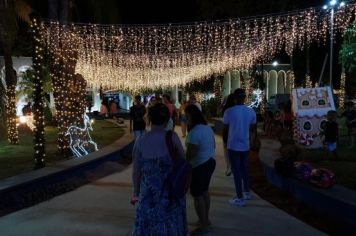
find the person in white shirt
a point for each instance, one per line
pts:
(239, 121)
(201, 155)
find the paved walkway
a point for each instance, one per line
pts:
(103, 208)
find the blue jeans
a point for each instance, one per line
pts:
(239, 168)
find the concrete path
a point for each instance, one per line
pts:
(103, 208)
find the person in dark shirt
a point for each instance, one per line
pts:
(331, 134)
(137, 121)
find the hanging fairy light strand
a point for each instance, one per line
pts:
(133, 57)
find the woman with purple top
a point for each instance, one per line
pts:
(157, 212)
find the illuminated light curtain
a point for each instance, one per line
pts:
(134, 57)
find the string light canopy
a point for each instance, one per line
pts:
(135, 57)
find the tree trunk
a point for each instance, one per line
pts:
(11, 81)
(69, 89)
(38, 97)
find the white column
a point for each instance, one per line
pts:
(235, 80)
(96, 100)
(281, 84)
(174, 96)
(226, 84)
(272, 83)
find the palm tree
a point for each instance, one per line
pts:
(9, 10)
(27, 84)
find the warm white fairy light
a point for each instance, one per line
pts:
(156, 56)
(342, 89)
(308, 82)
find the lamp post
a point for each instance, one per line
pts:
(332, 5)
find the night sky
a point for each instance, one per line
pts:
(171, 11)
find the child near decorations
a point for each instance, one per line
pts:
(331, 131)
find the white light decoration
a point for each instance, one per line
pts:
(23, 119)
(80, 138)
(135, 57)
(28, 120)
(256, 98)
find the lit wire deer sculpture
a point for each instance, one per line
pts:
(80, 138)
(256, 98)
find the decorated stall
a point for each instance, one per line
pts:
(310, 106)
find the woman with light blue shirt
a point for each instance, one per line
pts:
(200, 153)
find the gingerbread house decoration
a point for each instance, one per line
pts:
(310, 106)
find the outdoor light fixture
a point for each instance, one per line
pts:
(23, 119)
(325, 7)
(333, 2)
(342, 4)
(275, 63)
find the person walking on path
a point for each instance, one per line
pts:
(200, 153)
(103, 110)
(157, 212)
(113, 109)
(239, 121)
(183, 118)
(137, 121)
(172, 111)
(230, 102)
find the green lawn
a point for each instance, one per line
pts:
(345, 167)
(16, 159)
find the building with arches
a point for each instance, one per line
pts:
(278, 79)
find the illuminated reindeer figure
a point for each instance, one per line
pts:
(256, 98)
(80, 137)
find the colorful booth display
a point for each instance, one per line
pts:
(310, 106)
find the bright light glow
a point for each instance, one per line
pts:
(28, 120)
(92, 121)
(333, 2)
(342, 4)
(256, 98)
(275, 63)
(23, 119)
(325, 7)
(80, 138)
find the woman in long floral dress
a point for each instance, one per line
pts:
(157, 214)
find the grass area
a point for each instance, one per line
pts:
(16, 159)
(345, 166)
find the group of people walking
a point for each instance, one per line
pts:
(160, 213)
(109, 111)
